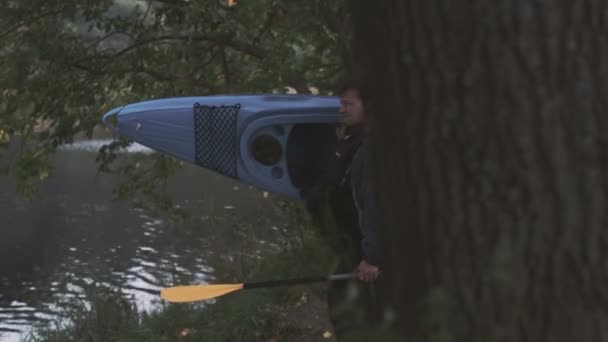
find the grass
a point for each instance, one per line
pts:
(254, 315)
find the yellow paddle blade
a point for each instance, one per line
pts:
(193, 293)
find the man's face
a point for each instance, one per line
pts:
(351, 108)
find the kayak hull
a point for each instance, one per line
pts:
(277, 143)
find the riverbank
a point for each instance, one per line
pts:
(295, 313)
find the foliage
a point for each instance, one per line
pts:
(65, 63)
(104, 317)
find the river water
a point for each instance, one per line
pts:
(75, 235)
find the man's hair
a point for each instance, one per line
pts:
(356, 85)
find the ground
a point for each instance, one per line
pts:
(310, 316)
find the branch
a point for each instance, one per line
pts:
(162, 77)
(21, 23)
(155, 74)
(272, 14)
(143, 19)
(212, 56)
(106, 36)
(174, 2)
(151, 72)
(225, 67)
(226, 39)
(121, 52)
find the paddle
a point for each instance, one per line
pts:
(193, 293)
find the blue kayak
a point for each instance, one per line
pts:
(277, 143)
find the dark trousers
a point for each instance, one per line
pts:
(353, 304)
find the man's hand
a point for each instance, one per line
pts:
(367, 272)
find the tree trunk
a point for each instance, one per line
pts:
(489, 141)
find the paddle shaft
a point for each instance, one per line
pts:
(297, 281)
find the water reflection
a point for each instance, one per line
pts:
(95, 144)
(76, 236)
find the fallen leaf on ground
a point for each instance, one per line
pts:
(303, 300)
(185, 332)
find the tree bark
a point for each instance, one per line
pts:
(489, 140)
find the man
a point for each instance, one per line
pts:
(351, 201)
(353, 117)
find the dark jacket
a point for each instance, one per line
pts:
(335, 166)
(333, 188)
(351, 198)
(363, 196)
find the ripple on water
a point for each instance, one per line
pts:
(16, 303)
(149, 264)
(154, 223)
(143, 275)
(147, 250)
(129, 251)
